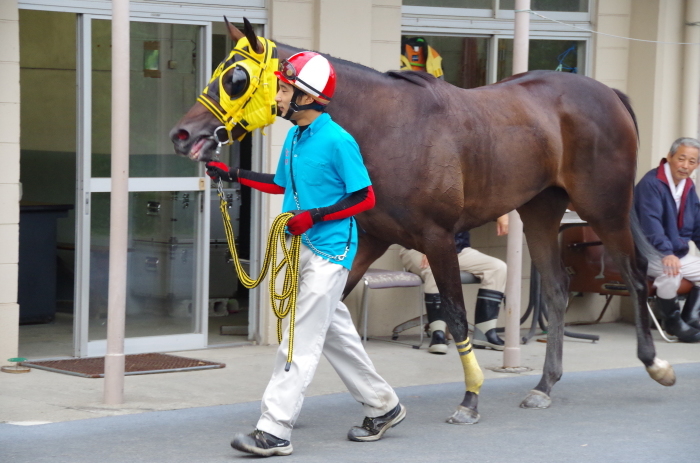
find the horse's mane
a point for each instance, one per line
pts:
(419, 78)
(351, 64)
(422, 79)
(415, 77)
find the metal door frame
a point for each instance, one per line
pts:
(86, 185)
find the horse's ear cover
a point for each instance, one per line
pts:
(255, 44)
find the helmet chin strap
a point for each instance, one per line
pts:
(293, 107)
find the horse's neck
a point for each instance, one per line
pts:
(356, 87)
(357, 96)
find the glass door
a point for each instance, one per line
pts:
(166, 299)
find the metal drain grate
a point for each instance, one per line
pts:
(137, 364)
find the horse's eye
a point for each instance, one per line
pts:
(239, 82)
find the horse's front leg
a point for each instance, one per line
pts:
(443, 261)
(541, 217)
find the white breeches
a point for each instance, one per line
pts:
(666, 285)
(323, 325)
(490, 270)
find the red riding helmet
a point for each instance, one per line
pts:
(311, 73)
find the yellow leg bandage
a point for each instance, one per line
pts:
(473, 376)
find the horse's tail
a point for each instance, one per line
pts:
(626, 101)
(645, 250)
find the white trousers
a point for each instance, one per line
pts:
(666, 285)
(490, 270)
(323, 325)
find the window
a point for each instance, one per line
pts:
(464, 59)
(555, 55)
(476, 4)
(578, 6)
(476, 45)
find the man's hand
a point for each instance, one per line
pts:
(301, 222)
(502, 225)
(672, 265)
(424, 262)
(218, 170)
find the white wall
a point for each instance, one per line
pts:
(363, 31)
(650, 73)
(9, 178)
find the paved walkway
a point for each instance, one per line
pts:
(605, 409)
(597, 417)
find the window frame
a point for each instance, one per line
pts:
(496, 24)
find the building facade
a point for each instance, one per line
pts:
(55, 142)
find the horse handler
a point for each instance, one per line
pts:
(325, 183)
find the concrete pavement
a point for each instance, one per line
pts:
(51, 397)
(598, 417)
(213, 404)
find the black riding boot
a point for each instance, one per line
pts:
(691, 308)
(488, 303)
(438, 343)
(673, 323)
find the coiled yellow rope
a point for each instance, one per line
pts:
(276, 236)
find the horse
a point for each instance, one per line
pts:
(444, 159)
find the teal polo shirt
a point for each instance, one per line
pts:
(327, 168)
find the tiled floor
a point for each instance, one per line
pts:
(55, 339)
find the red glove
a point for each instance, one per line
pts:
(218, 170)
(301, 222)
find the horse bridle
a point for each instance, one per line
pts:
(259, 110)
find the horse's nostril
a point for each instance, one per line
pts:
(182, 135)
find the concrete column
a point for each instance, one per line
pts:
(691, 71)
(119, 208)
(364, 31)
(655, 76)
(514, 259)
(386, 34)
(344, 29)
(9, 179)
(610, 55)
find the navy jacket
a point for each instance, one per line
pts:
(462, 240)
(666, 230)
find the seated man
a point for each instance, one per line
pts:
(492, 273)
(669, 212)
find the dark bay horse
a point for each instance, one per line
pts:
(444, 159)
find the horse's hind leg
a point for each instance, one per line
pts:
(619, 243)
(541, 217)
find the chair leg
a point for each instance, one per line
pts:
(407, 325)
(364, 312)
(658, 326)
(421, 309)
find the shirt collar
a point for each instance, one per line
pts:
(661, 175)
(316, 125)
(661, 171)
(676, 190)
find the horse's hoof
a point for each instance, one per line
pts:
(464, 415)
(662, 372)
(536, 399)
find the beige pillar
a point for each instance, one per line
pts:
(655, 77)
(691, 71)
(119, 208)
(364, 31)
(514, 258)
(9, 178)
(344, 29)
